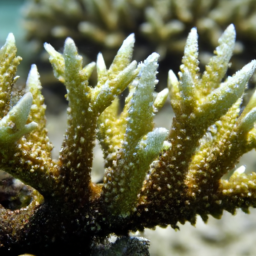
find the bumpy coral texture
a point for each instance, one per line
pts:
(152, 176)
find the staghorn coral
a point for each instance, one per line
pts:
(160, 25)
(242, 15)
(152, 176)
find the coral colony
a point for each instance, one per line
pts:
(152, 176)
(158, 24)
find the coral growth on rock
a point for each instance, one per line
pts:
(152, 176)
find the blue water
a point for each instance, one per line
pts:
(10, 18)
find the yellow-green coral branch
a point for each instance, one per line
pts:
(9, 63)
(218, 64)
(28, 157)
(137, 152)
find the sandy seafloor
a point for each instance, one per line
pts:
(232, 235)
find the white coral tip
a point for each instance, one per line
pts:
(33, 79)
(10, 38)
(127, 45)
(49, 49)
(101, 66)
(129, 40)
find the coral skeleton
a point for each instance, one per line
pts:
(152, 176)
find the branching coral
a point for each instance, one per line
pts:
(163, 24)
(152, 176)
(159, 25)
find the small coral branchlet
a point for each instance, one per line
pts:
(152, 176)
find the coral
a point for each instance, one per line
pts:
(160, 25)
(152, 176)
(242, 15)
